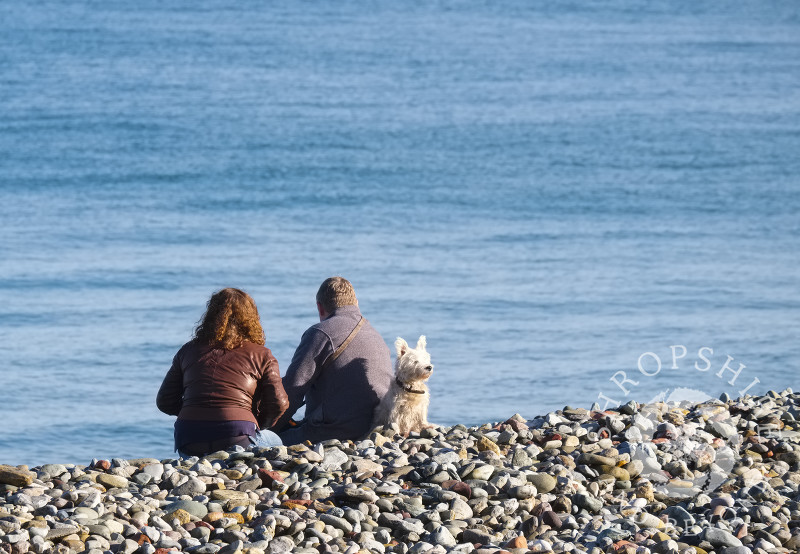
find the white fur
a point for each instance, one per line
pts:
(407, 409)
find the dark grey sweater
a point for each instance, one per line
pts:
(340, 400)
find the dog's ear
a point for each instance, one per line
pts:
(422, 343)
(401, 346)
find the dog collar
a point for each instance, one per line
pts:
(406, 387)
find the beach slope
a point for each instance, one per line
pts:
(663, 478)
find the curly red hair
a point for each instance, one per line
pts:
(231, 319)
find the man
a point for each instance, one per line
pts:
(340, 386)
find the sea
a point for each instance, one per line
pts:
(575, 202)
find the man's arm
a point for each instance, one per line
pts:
(314, 349)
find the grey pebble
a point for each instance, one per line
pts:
(720, 537)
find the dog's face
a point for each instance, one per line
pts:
(413, 364)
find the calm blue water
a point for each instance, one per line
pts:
(546, 192)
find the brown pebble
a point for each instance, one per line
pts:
(516, 425)
(213, 516)
(11, 475)
(562, 504)
(624, 547)
(717, 512)
(269, 476)
(487, 444)
(741, 531)
(235, 515)
(459, 487)
(516, 542)
(541, 508)
(550, 518)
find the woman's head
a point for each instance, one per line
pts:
(231, 318)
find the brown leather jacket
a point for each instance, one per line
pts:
(212, 384)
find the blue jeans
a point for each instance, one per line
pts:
(266, 439)
(292, 435)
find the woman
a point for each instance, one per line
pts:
(224, 384)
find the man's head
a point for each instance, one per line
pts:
(333, 293)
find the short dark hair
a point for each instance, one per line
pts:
(335, 292)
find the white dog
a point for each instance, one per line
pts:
(406, 402)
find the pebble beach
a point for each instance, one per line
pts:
(720, 476)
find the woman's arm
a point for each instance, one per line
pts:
(170, 396)
(272, 401)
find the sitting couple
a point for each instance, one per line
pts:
(225, 387)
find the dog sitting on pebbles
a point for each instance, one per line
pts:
(406, 402)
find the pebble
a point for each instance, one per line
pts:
(191, 487)
(482, 472)
(15, 477)
(657, 478)
(543, 482)
(720, 537)
(193, 508)
(112, 481)
(587, 502)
